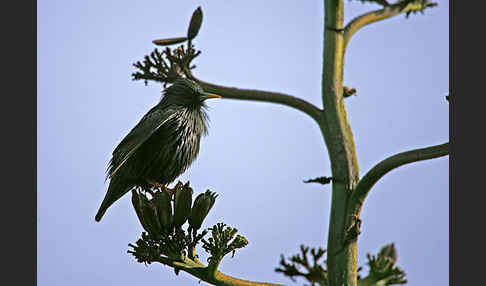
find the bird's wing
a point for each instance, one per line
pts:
(150, 123)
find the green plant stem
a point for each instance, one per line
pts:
(259, 95)
(202, 272)
(390, 163)
(342, 258)
(377, 15)
(212, 268)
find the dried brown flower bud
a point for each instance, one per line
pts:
(169, 41)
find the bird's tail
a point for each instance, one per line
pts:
(115, 191)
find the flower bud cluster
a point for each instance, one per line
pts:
(161, 215)
(221, 241)
(383, 266)
(170, 64)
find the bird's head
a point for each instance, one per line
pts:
(187, 93)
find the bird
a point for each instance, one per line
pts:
(162, 145)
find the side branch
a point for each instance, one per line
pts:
(387, 12)
(258, 95)
(390, 163)
(200, 271)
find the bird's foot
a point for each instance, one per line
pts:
(170, 191)
(155, 184)
(160, 186)
(145, 189)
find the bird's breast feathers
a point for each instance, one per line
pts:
(184, 127)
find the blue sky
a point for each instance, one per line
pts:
(256, 154)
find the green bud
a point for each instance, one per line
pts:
(388, 252)
(239, 242)
(232, 232)
(163, 205)
(202, 205)
(149, 212)
(195, 24)
(137, 205)
(182, 203)
(177, 188)
(146, 212)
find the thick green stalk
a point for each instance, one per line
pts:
(342, 258)
(209, 274)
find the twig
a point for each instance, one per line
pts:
(321, 180)
(387, 12)
(379, 170)
(259, 95)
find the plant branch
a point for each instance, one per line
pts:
(170, 245)
(259, 95)
(390, 163)
(200, 271)
(387, 12)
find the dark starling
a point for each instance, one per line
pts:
(162, 145)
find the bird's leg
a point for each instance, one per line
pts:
(170, 191)
(155, 184)
(159, 185)
(146, 189)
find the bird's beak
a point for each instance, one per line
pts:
(210, 95)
